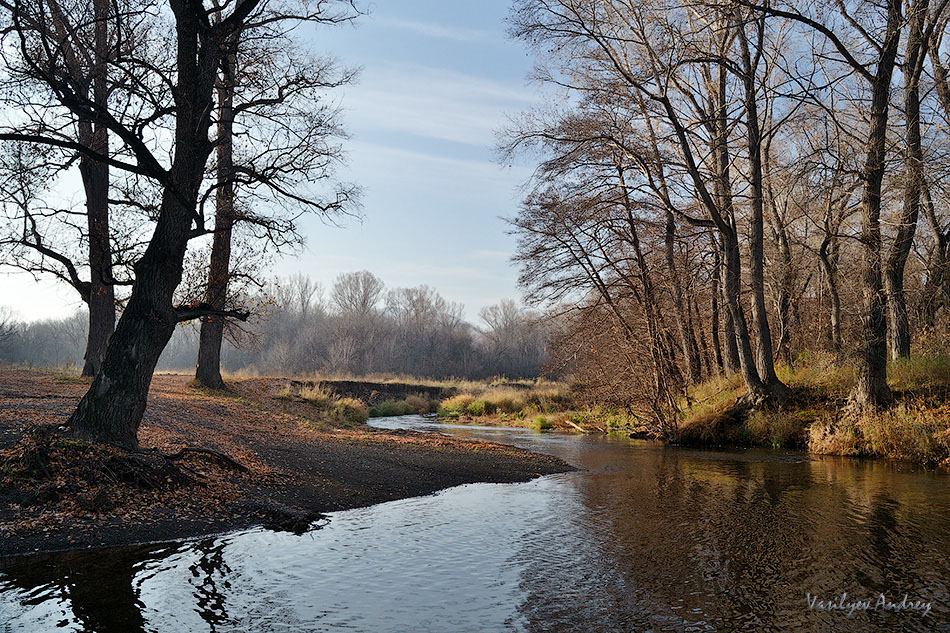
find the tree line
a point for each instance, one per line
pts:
(357, 328)
(723, 185)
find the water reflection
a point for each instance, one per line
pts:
(646, 538)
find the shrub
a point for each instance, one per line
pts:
(349, 410)
(412, 404)
(388, 408)
(456, 405)
(541, 423)
(419, 404)
(476, 408)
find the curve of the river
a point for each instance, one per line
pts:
(643, 538)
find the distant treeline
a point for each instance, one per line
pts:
(358, 327)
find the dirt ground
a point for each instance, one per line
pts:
(297, 466)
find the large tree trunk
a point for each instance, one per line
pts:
(871, 388)
(763, 337)
(112, 408)
(898, 324)
(732, 267)
(757, 389)
(95, 180)
(208, 369)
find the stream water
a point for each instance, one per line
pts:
(643, 538)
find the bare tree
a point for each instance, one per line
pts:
(275, 94)
(183, 103)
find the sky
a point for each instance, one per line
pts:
(438, 79)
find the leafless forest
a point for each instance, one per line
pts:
(734, 185)
(358, 327)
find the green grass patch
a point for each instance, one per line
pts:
(541, 423)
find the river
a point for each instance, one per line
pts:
(642, 538)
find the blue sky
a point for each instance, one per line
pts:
(438, 78)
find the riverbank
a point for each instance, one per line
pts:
(299, 462)
(818, 417)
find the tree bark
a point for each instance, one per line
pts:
(738, 341)
(871, 388)
(95, 180)
(208, 369)
(831, 279)
(763, 348)
(898, 323)
(714, 308)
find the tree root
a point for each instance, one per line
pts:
(219, 457)
(47, 454)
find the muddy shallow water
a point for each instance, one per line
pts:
(644, 538)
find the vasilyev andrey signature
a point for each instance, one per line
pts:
(881, 603)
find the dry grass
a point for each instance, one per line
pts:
(345, 411)
(819, 418)
(906, 432)
(712, 398)
(504, 400)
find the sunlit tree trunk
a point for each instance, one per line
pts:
(871, 387)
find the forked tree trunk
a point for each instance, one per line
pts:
(737, 331)
(113, 407)
(756, 388)
(208, 369)
(871, 387)
(101, 297)
(764, 362)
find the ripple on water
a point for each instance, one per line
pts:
(646, 538)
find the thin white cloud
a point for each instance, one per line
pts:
(440, 31)
(436, 179)
(433, 103)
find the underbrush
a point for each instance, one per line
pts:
(908, 431)
(411, 404)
